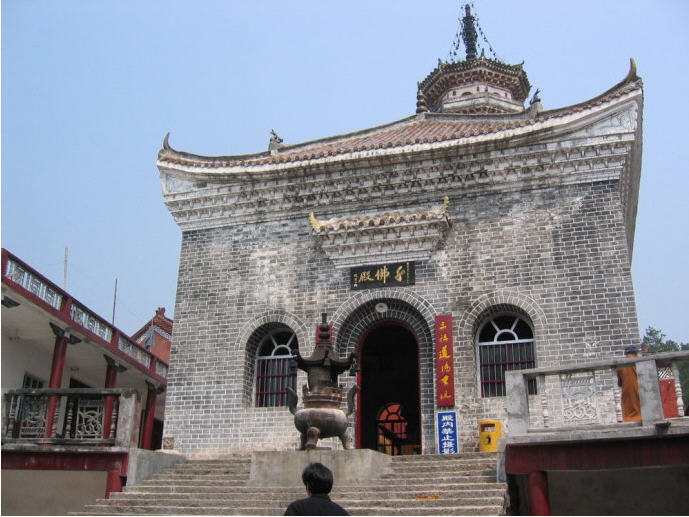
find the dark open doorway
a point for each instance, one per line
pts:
(389, 418)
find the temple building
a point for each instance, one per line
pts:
(480, 234)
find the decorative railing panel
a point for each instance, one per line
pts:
(82, 416)
(586, 395)
(161, 369)
(91, 322)
(33, 284)
(134, 351)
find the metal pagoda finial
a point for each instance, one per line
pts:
(469, 35)
(469, 32)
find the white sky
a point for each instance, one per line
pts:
(89, 89)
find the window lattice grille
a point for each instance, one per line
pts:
(505, 342)
(274, 374)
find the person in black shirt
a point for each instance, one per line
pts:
(318, 480)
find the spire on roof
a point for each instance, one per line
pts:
(469, 35)
(477, 85)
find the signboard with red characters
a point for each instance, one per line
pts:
(444, 361)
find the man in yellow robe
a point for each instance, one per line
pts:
(627, 380)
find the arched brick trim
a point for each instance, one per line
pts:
(504, 300)
(251, 335)
(422, 306)
(357, 315)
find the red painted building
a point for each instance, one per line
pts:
(156, 335)
(79, 395)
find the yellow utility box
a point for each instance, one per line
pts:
(489, 432)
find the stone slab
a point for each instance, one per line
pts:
(351, 467)
(143, 464)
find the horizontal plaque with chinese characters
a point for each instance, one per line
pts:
(383, 275)
(444, 361)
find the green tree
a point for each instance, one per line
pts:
(654, 342)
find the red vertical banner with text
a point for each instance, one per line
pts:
(444, 361)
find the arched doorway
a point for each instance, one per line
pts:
(389, 416)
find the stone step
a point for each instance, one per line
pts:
(437, 510)
(411, 458)
(453, 467)
(263, 510)
(443, 457)
(397, 469)
(166, 477)
(195, 482)
(183, 467)
(416, 485)
(406, 478)
(428, 479)
(244, 465)
(431, 487)
(284, 500)
(186, 467)
(398, 481)
(457, 491)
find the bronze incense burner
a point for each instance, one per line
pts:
(321, 416)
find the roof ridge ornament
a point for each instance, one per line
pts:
(421, 106)
(631, 75)
(315, 223)
(166, 145)
(275, 143)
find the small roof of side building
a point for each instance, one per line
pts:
(156, 335)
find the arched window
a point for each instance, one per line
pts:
(273, 371)
(504, 342)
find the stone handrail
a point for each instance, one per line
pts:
(588, 388)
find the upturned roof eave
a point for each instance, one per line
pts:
(534, 121)
(167, 150)
(629, 79)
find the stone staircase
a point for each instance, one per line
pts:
(417, 485)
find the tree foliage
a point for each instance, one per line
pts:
(654, 342)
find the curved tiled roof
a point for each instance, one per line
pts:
(159, 320)
(418, 129)
(380, 220)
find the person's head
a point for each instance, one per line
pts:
(631, 351)
(317, 478)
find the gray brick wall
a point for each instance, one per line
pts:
(556, 253)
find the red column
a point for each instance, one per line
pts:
(110, 382)
(113, 484)
(538, 493)
(149, 415)
(58, 366)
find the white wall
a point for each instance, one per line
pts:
(19, 357)
(61, 491)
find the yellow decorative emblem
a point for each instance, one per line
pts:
(315, 223)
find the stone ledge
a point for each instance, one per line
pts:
(677, 427)
(284, 468)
